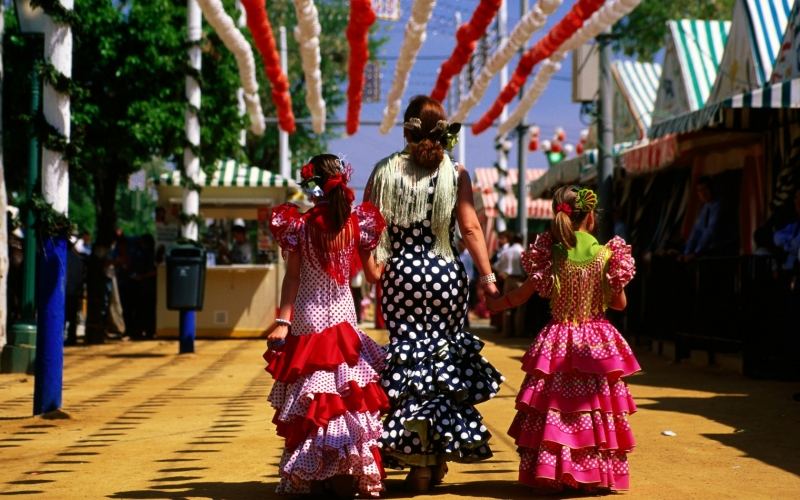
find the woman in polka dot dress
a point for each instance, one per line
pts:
(435, 373)
(327, 393)
(571, 426)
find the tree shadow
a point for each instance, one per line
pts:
(216, 490)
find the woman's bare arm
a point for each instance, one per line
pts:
(471, 231)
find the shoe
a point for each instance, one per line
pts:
(419, 479)
(438, 472)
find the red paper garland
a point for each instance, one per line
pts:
(543, 49)
(467, 38)
(259, 25)
(361, 18)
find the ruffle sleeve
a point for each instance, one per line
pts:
(286, 225)
(370, 224)
(621, 266)
(537, 261)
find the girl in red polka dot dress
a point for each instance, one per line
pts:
(571, 427)
(327, 393)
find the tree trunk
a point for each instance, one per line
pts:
(105, 191)
(3, 205)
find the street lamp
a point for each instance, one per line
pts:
(18, 355)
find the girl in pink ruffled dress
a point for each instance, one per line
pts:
(327, 393)
(571, 427)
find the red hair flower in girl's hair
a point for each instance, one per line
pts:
(307, 171)
(564, 207)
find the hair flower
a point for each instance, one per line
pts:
(564, 207)
(307, 172)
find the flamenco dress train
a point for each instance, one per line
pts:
(326, 394)
(571, 427)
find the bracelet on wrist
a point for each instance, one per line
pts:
(487, 278)
(284, 322)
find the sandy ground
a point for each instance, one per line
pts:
(144, 422)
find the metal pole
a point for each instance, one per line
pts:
(501, 141)
(522, 185)
(283, 137)
(605, 166)
(459, 87)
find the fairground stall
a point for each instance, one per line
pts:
(244, 270)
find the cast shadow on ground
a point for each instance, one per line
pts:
(216, 490)
(480, 489)
(751, 418)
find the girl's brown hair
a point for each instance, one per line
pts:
(566, 222)
(425, 143)
(325, 166)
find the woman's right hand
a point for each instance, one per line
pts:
(490, 290)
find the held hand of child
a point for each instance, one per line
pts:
(497, 304)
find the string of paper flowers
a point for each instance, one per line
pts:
(525, 28)
(414, 38)
(555, 149)
(543, 49)
(361, 18)
(612, 11)
(467, 38)
(243, 53)
(260, 27)
(307, 35)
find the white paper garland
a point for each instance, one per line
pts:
(307, 35)
(415, 36)
(525, 28)
(235, 42)
(602, 19)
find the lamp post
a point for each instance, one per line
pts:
(20, 352)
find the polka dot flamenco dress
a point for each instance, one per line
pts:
(327, 395)
(435, 373)
(571, 426)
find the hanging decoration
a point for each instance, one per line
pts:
(307, 35)
(557, 149)
(612, 11)
(361, 18)
(387, 10)
(525, 28)
(243, 53)
(581, 146)
(467, 38)
(414, 38)
(543, 49)
(261, 29)
(533, 144)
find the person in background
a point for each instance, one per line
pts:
(73, 291)
(788, 239)
(509, 268)
(143, 289)
(469, 268)
(502, 245)
(241, 250)
(703, 238)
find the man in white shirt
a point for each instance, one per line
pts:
(509, 268)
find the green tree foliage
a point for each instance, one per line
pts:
(641, 34)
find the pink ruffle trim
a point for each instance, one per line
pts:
(590, 347)
(596, 429)
(370, 224)
(574, 392)
(574, 468)
(537, 261)
(621, 266)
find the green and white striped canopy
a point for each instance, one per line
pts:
(779, 95)
(638, 83)
(229, 173)
(699, 46)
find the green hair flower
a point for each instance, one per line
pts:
(586, 200)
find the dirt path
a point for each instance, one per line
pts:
(147, 423)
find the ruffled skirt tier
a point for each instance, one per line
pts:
(571, 426)
(328, 403)
(434, 384)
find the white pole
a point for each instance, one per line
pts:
(283, 137)
(502, 150)
(191, 162)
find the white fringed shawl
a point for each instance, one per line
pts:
(399, 188)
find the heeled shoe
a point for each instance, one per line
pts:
(419, 479)
(438, 472)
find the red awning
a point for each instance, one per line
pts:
(652, 155)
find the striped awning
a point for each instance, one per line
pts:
(699, 45)
(787, 62)
(768, 19)
(650, 155)
(486, 180)
(638, 83)
(229, 173)
(779, 95)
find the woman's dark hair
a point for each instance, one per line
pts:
(565, 224)
(425, 144)
(325, 166)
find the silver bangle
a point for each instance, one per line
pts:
(488, 278)
(282, 321)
